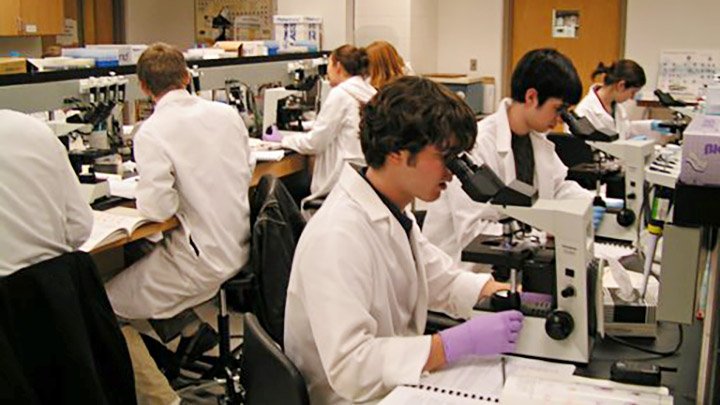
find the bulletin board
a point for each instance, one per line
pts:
(225, 11)
(684, 73)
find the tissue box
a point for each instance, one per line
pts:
(636, 318)
(701, 152)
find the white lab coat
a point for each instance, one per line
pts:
(334, 138)
(358, 297)
(454, 220)
(591, 107)
(194, 162)
(43, 213)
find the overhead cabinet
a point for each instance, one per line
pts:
(31, 17)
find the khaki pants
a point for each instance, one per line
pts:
(151, 386)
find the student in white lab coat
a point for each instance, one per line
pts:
(364, 276)
(603, 105)
(42, 211)
(194, 162)
(334, 136)
(513, 143)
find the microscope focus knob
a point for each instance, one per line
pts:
(559, 325)
(625, 217)
(568, 291)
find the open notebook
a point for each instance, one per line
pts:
(111, 225)
(474, 380)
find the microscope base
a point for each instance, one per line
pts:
(610, 229)
(534, 342)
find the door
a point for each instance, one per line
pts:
(587, 31)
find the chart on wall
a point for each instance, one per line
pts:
(233, 20)
(684, 73)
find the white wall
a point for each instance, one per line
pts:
(28, 47)
(424, 35)
(471, 29)
(410, 25)
(656, 25)
(171, 21)
(383, 20)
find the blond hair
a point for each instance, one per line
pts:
(386, 64)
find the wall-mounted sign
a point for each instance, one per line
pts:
(565, 23)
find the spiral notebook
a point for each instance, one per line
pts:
(475, 380)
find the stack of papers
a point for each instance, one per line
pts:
(266, 151)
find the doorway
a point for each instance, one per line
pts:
(587, 31)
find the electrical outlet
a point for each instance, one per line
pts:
(473, 65)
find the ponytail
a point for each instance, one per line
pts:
(624, 69)
(601, 69)
(354, 60)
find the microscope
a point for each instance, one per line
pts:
(282, 109)
(619, 224)
(101, 112)
(285, 108)
(564, 328)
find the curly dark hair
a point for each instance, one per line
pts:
(411, 113)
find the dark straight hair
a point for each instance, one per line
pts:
(624, 69)
(354, 60)
(549, 72)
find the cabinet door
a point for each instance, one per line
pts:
(9, 17)
(41, 17)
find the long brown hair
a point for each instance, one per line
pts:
(386, 64)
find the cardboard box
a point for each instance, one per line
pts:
(11, 66)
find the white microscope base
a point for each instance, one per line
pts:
(610, 229)
(534, 342)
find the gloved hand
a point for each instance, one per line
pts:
(482, 335)
(272, 135)
(639, 138)
(655, 126)
(598, 213)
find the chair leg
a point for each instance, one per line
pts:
(226, 363)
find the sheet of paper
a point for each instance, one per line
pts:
(536, 388)
(269, 155)
(258, 144)
(124, 188)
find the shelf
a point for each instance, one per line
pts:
(43, 91)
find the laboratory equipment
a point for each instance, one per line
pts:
(564, 327)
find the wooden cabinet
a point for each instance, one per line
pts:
(31, 17)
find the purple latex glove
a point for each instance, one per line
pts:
(482, 335)
(535, 298)
(272, 134)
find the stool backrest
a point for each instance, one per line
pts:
(267, 374)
